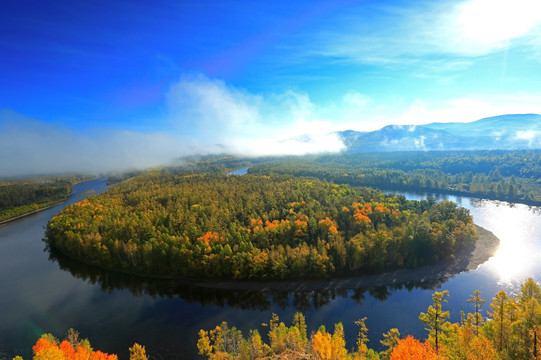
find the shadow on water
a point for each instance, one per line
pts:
(245, 299)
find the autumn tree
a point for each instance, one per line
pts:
(435, 319)
(477, 302)
(500, 320)
(482, 349)
(48, 348)
(257, 348)
(390, 339)
(321, 344)
(362, 337)
(138, 352)
(525, 339)
(204, 345)
(72, 336)
(327, 346)
(410, 348)
(300, 323)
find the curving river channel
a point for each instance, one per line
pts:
(43, 292)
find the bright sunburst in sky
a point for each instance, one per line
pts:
(140, 81)
(492, 22)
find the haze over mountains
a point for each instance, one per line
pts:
(505, 132)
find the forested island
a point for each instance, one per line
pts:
(22, 196)
(212, 226)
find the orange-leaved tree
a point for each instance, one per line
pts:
(47, 348)
(410, 348)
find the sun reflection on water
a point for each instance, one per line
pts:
(518, 227)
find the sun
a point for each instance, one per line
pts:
(497, 21)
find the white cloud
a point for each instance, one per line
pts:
(268, 124)
(420, 143)
(526, 135)
(209, 116)
(466, 109)
(532, 137)
(33, 147)
(205, 116)
(206, 108)
(216, 113)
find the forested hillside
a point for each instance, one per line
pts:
(18, 197)
(256, 227)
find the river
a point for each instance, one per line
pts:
(42, 292)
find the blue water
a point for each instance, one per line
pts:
(39, 294)
(242, 171)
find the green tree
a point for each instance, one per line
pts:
(390, 339)
(362, 337)
(477, 302)
(435, 319)
(300, 323)
(501, 321)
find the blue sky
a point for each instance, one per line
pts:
(204, 76)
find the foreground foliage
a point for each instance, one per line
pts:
(256, 227)
(510, 331)
(72, 348)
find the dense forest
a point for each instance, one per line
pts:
(504, 175)
(18, 197)
(511, 330)
(73, 348)
(256, 227)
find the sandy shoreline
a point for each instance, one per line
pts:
(469, 259)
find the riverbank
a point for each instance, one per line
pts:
(467, 260)
(5, 221)
(473, 195)
(46, 206)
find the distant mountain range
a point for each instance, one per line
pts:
(506, 132)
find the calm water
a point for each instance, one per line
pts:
(242, 171)
(41, 292)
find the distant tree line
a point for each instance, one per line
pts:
(505, 175)
(256, 227)
(18, 197)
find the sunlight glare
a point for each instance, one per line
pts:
(496, 21)
(517, 255)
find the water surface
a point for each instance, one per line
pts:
(41, 292)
